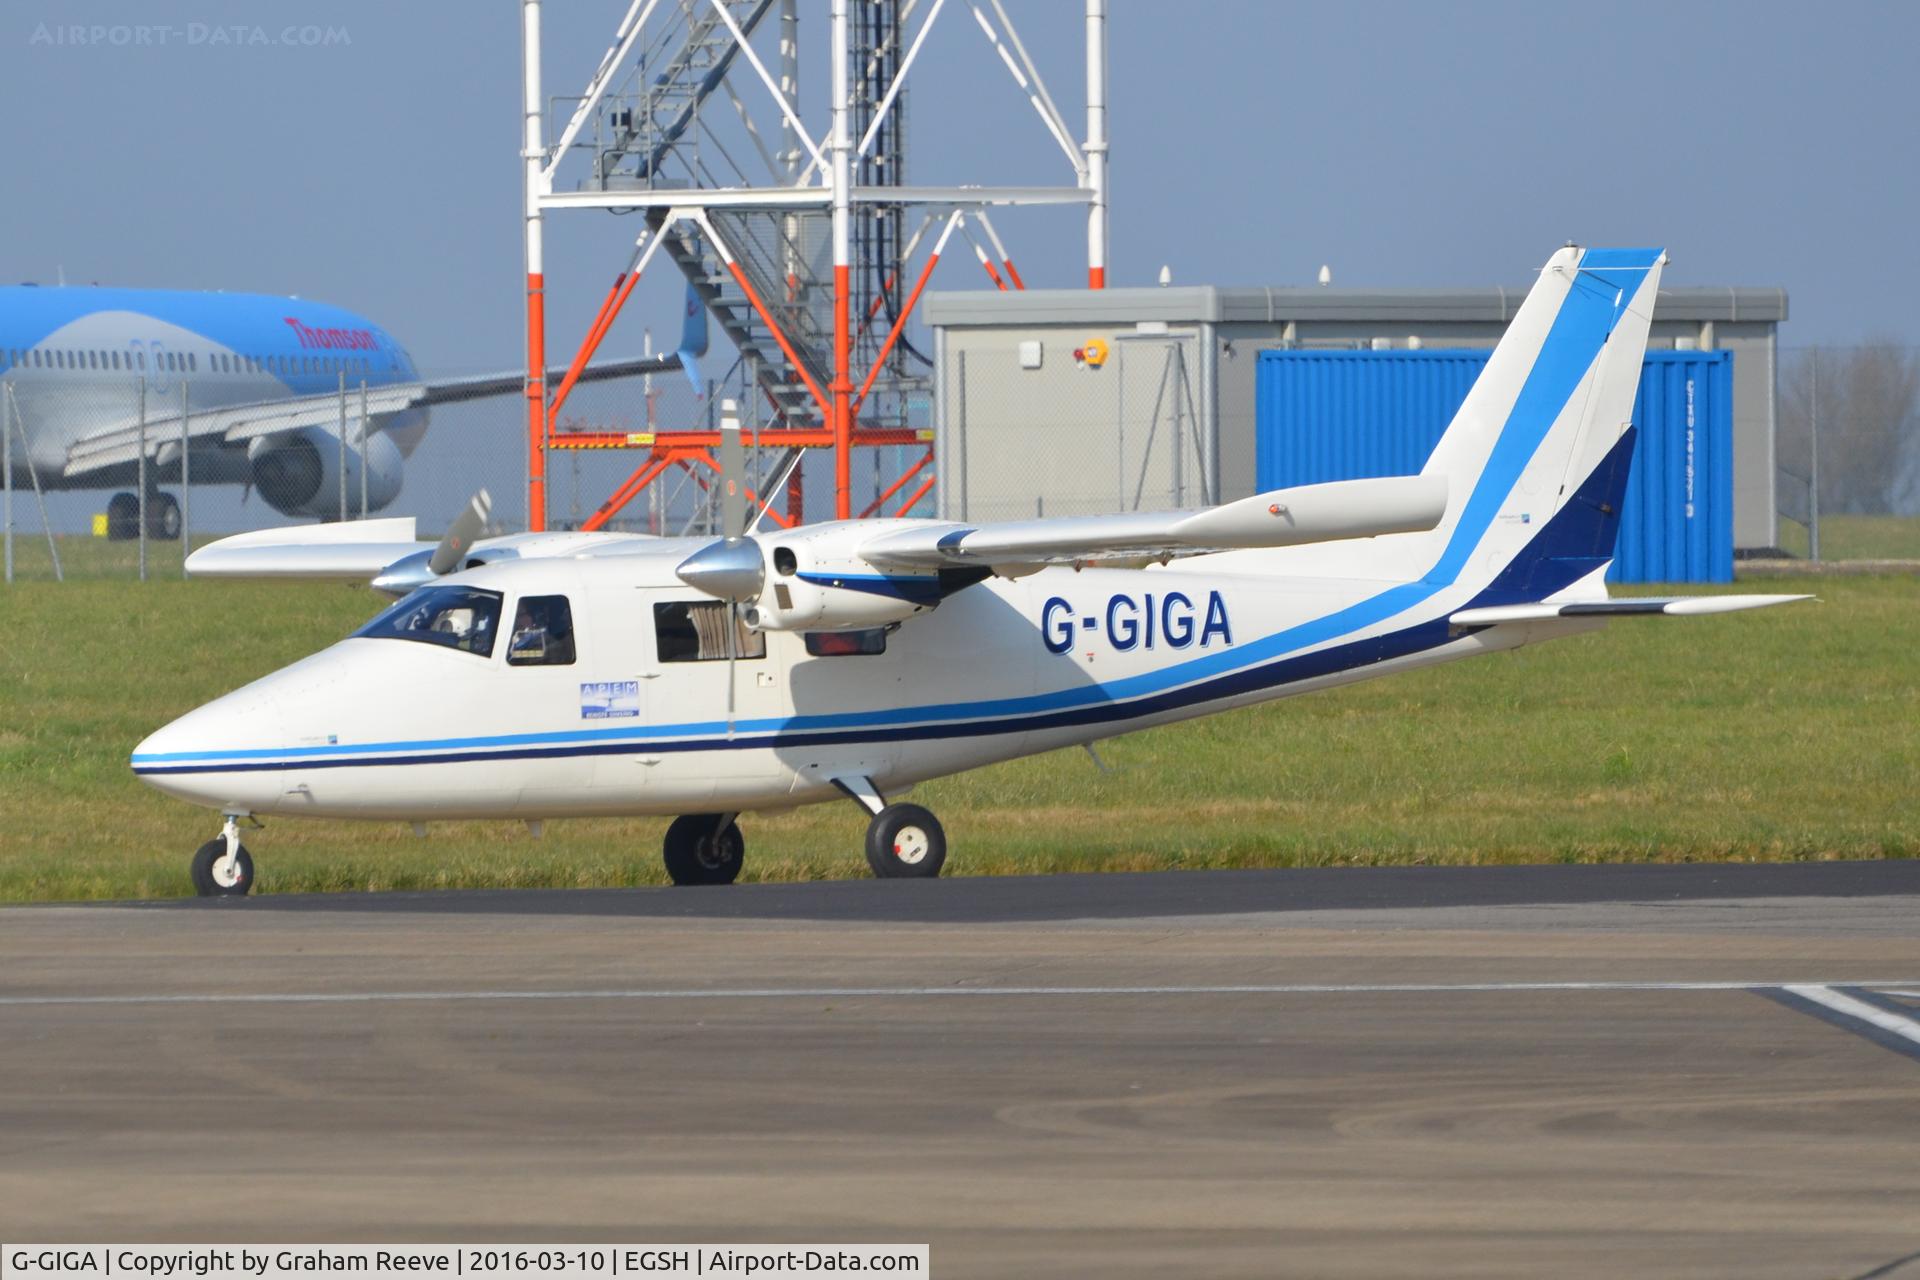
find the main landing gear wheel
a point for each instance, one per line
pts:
(704, 848)
(215, 875)
(905, 842)
(163, 517)
(123, 517)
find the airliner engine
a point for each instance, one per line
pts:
(299, 472)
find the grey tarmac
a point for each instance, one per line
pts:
(1568, 1071)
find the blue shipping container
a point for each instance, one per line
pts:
(1345, 415)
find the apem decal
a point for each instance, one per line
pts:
(1148, 621)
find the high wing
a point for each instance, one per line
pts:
(1626, 606)
(355, 550)
(388, 553)
(237, 424)
(1283, 517)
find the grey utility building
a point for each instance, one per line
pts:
(1069, 401)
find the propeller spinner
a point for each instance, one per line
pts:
(731, 569)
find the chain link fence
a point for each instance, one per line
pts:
(121, 476)
(1014, 442)
(1848, 452)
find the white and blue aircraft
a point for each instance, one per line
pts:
(264, 407)
(540, 676)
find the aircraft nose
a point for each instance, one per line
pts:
(200, 757)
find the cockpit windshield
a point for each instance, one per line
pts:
(463, 618)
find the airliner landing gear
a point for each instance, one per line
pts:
(163, 517)
(123, 517)
(222, 867)
(905, 841)
(704, 848)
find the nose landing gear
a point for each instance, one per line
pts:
(222, 867)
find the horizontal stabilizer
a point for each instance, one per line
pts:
(350, 551)
(1630, 606)
(1284, 517)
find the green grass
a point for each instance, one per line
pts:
(1788, 734)
(89, 559)
(1857, 538)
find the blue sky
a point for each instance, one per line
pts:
(1764, 144)
(1403, 144)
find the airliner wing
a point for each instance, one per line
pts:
(1283, 517)
(232, 424)
(454, 390)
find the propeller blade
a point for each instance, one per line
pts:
(461, 535)
(733, 473)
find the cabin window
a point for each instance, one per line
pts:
(542, 633)
(193, 362)
(834, 644)
(697, 631)
(463, 618)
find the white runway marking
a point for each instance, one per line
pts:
(896, 993)
(1888, 1021)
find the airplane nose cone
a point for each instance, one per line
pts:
(195, 757)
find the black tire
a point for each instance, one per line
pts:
(163, 517)
(906, 842)
(694, 855)
(207, 883)
(123, 517)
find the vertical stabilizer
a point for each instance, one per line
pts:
(1545, 417)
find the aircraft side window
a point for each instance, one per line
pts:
(834, 644)
(463, 618)
(542, 633)
(697, 631)
(193, 362)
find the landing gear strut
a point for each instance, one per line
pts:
(704, 848)
(222, 867)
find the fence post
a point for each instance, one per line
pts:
(343, 446)
(1813, 483)
(6, 472)
(140, 494)
(363, 448)
(186, 481)
(961, 405)
(33, 474)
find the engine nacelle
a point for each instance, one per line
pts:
(298, 472)
(814, 583)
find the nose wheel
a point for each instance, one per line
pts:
(222, 867)
(704, 848)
